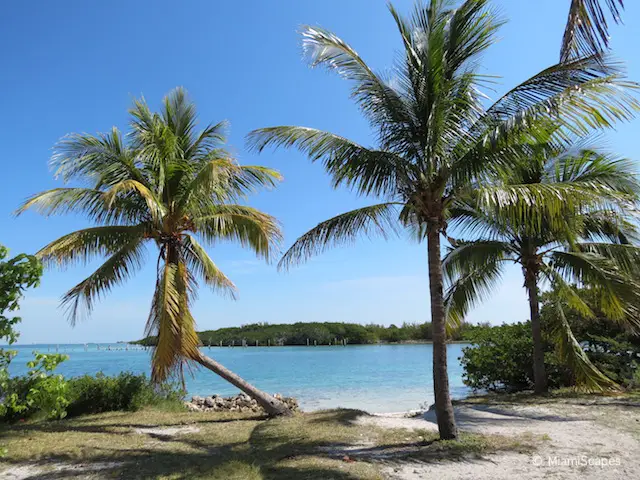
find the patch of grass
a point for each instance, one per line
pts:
(315, 446)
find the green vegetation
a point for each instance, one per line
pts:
(326, 333)
(501, 358)
(226, 446)
(123, 392)
(164, 184)
(43, 395)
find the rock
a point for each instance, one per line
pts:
(238, 403)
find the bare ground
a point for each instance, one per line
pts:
(589, 438)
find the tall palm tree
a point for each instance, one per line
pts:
(587, 30)
(585, 242)
(167, 184)
(435, 136)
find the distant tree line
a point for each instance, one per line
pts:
(325, 333)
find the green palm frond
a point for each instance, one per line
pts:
(589, 269)
(566, 292)
(472, 255)
(103, 160)
(587, 30)
(626, 258)
(610, 226)
(83, 245)
(155, 207)
(376, 98)
(223, 180)
(573, 98)
(614, 177)
(587, 376)
(370, 172)
(472, 272)
(250, 227)
(380, 220)
(199, 262)
(114, 271)
(89, 202)
(209, 139)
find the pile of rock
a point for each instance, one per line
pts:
(238, 403)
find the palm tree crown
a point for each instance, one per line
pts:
(164, 183)
(588, 242)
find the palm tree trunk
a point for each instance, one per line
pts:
(539, 373)
(444, 408)
(272, 405)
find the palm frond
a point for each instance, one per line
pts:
(472, 272)
(597, 170)
(87, 201)
(568, 99)
(156, 209)
(103, 160)
(600, 273)
(172, 323)
(252, 228)
(223, 180)
(587, 376)
(611, 226)
(587, 30)
(199, 262)
(114, 271)
(343, 229)
(626, 258)
(83, 245)
(370, 172)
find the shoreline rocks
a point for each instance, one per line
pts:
(237, 403)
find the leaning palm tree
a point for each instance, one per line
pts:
(586, 242)
(435, 136)
(164, 184)
(587, 29)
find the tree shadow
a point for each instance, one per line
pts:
(270, 452)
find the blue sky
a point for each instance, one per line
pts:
(75, 66)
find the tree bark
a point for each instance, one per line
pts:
(271, 405)
(444, 408)
(539, 373)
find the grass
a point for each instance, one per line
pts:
(321, 445)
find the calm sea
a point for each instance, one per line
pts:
(376, 378)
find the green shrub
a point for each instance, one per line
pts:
(501, 359)
(126, 391)
(39, 392)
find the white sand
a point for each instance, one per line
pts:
(577, 433)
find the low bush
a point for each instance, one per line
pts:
(501, 359)
(126, 391)
(39, 392)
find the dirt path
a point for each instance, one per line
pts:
(584, 441)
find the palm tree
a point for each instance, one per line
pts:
(434, 135)
(587, 30)
(583, 242)
(165, 183)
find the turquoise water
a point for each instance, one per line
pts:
(376, 378)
